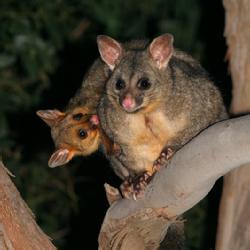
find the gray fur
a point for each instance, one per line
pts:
(183, 88)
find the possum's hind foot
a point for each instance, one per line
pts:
(133, 188)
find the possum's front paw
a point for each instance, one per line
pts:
(133, 188)
(162, 160)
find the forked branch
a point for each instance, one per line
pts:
(187, 179)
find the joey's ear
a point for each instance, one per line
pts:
(110, 50)
(60, 157)
(51, 116)
(161, 50)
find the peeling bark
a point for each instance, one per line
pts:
(237, 32)
(187, 179)
(234, 217)
(18, 229)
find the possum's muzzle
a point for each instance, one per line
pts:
(131, 104)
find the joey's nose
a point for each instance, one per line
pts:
(94, 119)
(128, 103)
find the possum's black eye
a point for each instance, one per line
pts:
(82, 133)
(120, 84)
(143, 84)
(78, 116)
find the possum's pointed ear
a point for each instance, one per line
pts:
(161, 50)
(61, 157)
(110, 50)
(51, 116)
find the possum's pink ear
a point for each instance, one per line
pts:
(110, 50)
(51, 116)
(60, 157)
(161, 50)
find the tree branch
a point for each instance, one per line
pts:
(186, 180)
(18, 229)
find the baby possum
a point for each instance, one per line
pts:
(76, 131)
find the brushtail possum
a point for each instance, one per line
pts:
(156, 99)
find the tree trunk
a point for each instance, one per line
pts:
(234, 217)
(188, 177)
(18, 229)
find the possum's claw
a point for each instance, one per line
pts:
(162, 160)
(127, 187)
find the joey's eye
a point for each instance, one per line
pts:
(120, 84)
(143, 84)
(82, 133)
(78, 116)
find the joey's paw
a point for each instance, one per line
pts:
(162, 160)
(133, 188)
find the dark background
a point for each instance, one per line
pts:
(45, 49)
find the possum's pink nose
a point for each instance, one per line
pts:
(128, 103)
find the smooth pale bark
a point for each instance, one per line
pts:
(234, 218)
(18, 229)
(188, 178)
(144, 223)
